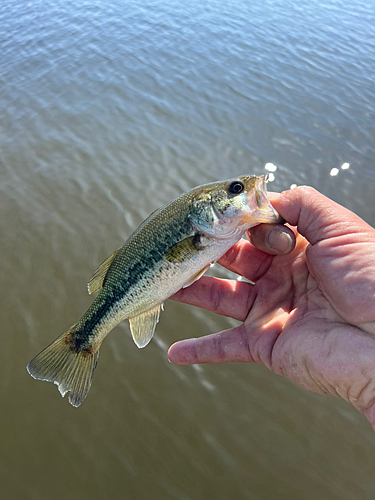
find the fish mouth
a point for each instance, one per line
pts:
(264, 211)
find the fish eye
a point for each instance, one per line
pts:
(236, 187)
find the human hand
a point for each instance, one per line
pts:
(311, 314)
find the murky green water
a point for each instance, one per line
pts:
(109, 110)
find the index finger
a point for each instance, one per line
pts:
(246, 260)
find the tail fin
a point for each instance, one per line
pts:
(70, 369)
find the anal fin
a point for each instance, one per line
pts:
(143, 325)
(96, 282)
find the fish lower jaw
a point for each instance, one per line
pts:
(266, 215)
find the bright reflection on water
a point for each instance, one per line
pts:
(108, 111)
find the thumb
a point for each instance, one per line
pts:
(317, 217)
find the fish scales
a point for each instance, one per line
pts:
(131, 265)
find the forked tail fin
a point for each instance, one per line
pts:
(71, 369)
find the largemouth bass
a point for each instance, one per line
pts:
(169, 250)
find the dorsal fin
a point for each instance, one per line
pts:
(96, 282)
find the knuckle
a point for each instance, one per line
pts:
(305, 191)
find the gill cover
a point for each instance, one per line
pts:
(218, 212)
(202, 215)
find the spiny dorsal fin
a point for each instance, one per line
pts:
(96, 282)
(143, 325)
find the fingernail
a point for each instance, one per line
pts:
(280, 241)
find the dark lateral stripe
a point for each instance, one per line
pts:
(120, 281)
(89, 321)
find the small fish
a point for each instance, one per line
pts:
(170, 250)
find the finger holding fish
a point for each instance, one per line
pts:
(231, 298)
(234, 298)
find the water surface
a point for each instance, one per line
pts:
(109, 110)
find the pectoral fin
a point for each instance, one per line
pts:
(196, 276)
(96, 282)
(143, 325)
(185, 249)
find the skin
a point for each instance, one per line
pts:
(311, 314)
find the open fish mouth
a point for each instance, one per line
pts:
(262, 210)
(261, 196)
